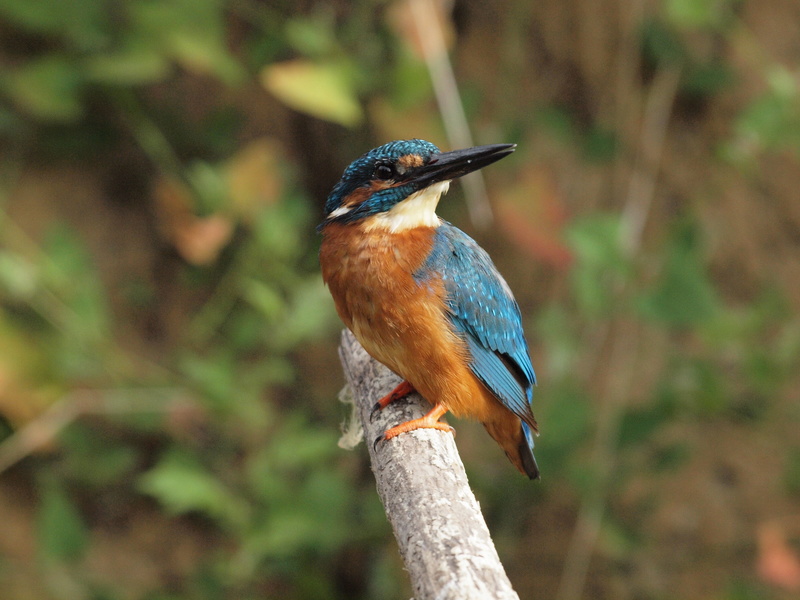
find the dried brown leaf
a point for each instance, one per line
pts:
(198, 240)
(778, 563)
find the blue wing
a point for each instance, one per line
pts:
(484, 311)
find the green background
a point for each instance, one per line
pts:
(168, 370)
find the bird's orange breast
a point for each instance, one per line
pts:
(370, 276)
(401, 322)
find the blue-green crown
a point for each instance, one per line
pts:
(361, 170)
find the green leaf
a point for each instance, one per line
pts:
(299, 445)
(617, 539)
(206, 54)
(276, 233)
(684, 295)
(791, 472)
(600, 262)
(136, 64)
(308, 507)
(707, 79)
(742, 587)
(45, 16)
(600, 145)
(94, 458)
(214, 376)
(772, 120)
(565, 413)
(323, 90)
(70, 273)
(696, 385)
(639, 424)
(670, 456)
(310, 316)
(265, 298)
(410, 83)
(189, 32)
(48, 88)
(314, 36)
(183, 485)
(211, 189)
(82, 21)
(61, 532)
(556, 121)
(285, 532)
(662, 46)
(18, 277)
(557, 329)
(698, 13)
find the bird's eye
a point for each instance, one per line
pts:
(384, 171)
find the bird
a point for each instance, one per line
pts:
(424, 299)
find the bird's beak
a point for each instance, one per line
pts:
(450, 165)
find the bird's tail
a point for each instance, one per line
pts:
(526, 452)
(516, 439)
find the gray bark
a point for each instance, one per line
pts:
(443, 538)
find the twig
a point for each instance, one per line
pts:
(44, 429)
(642, 190)
(451, 108)
(442, 536)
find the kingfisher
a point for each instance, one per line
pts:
(424, 298)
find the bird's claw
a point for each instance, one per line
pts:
(376, 408)
(392, 434)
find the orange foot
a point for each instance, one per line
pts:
(401, 391)
(429, 421)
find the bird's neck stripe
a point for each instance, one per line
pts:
(418, 210)
(339, 212)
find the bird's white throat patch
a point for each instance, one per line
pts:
(418, 210)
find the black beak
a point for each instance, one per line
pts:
(450, 165)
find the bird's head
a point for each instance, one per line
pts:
(397, 186)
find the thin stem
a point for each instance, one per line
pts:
(42, 430)
(451, 108)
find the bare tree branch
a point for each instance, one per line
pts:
(442, 536)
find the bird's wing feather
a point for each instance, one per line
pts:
(483, 310)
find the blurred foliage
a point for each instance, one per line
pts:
(772, 121)
(194, 397)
